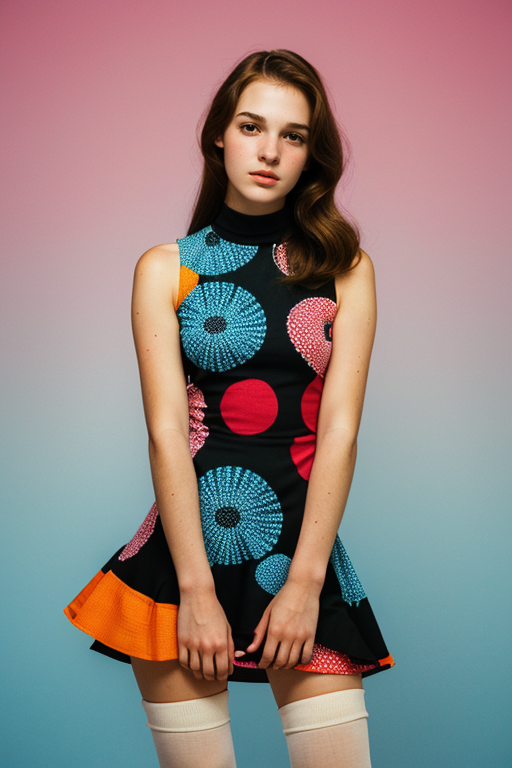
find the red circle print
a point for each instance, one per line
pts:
(310, 402)
(249, 406)
(303, 453)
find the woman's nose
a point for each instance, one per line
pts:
(269, 151)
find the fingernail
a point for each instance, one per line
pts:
(239, 653)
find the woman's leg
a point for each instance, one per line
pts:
(324, 718)
(189, 718)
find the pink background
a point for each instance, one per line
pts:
(100, 106)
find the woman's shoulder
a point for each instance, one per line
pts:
(159, 259)
(158, 269)
(360, 276)
(362, 266)
(160, 255)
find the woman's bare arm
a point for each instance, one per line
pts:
(339, 417)
(292, 616)
(203, 630)
(156, 334)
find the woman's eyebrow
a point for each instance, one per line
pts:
(261, 119)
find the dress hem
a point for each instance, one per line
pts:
(124, 623)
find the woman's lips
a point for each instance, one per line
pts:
(261, 179)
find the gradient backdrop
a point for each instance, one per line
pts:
(100, 105)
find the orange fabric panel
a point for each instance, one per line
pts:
(124, 619)
(188, 281)
(72, 609)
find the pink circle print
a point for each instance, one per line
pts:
(198, 432)
(142, 535)
(309, 326)
(280, 257)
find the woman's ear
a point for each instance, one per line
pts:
(219, 142)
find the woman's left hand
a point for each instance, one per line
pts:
(290, 621)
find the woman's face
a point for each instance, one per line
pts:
(266, 146)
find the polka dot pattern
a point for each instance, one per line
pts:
(221, 325)
(280, 256)
(249, 406)
(198, 432)
(271, 573)
(329, 662)
(302, 451)
(303, 447)
(309, 326)
(324, 661)
(142, 535)
(240, 515)
(254, 353)
(352, 590)
(206, 253)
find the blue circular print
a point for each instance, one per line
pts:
(351, 588)
(221, 325)
(240, 515)
(272, 573)
(206, 253)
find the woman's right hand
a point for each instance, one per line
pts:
(205, 644)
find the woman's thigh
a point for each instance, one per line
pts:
(164, 681)
(293, 684)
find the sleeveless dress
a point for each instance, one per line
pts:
(255, 353)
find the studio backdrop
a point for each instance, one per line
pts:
(100, 104)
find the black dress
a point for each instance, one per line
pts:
(255, 352)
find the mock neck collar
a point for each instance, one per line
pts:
(244, 229)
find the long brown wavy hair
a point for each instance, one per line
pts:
(323, 242)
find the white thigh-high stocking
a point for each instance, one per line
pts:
(189, 734)
(327, 731)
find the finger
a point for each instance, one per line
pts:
(283, 655)
(208, 666)
(307, 652)
(221, 662)
(231, 652)
(269, 652)
(195, 664)
(295, 654)
(259, 633)
(183, 656)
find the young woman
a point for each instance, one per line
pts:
(253, 337)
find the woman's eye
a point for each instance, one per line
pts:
(296, 138)
(250, 128)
